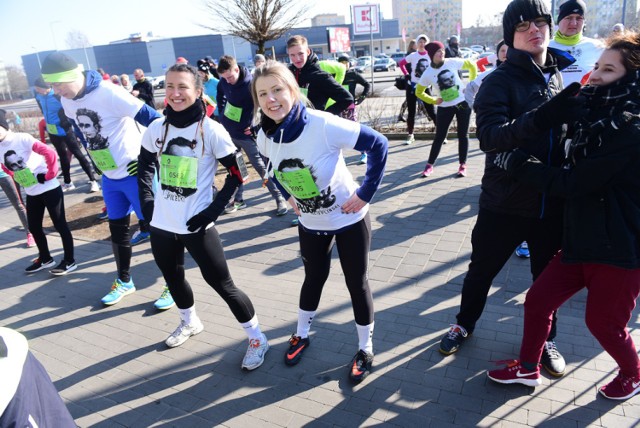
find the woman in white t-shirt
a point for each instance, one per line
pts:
(187, 146)
(304, 151)
(443, 76)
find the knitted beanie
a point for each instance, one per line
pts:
(571, 6)
(40, 83)
(433, 47)
(3, 119)
(60, 68)
(522, 10)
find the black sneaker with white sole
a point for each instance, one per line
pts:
(38, 265)
(63, 268)
(552, 361)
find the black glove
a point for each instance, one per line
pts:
(511, 161)
(40, 178)
(566, 107)
(132, 168)
(197, 221)
(359, 100)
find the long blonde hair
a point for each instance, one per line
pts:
(283, 75)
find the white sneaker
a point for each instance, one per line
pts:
(68, 186)
(95, 187)
(184, 332)
(410, 139)
(255, 353)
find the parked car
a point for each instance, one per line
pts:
(485, 54)
(158, 82)
(384, 64)
(477, 48)
(382, 55)
(397, 56)
(468, 53)
(363, 64)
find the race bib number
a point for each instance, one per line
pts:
(232, 112)
(449, 94)
(25, 177)
(179, 171)
(103, 159)
(52, 129)
(298, 183)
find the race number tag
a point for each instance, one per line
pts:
(52, 129)
(298, 183)
(25, 177)
(179, 171)
(242, 167)
(232, 112)
(103, 159)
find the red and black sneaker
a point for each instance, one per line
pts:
(621, 387)
(297, 346)
(360, 366)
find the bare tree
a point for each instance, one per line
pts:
(17, 79)
(77, 39)
(256, 21)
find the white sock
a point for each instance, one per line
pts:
(365, 334)
(252, 328)
(188, 315)
(304, 323)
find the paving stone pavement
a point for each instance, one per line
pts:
(112, 368)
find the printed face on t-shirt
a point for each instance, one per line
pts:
(446, 79)
(13, 161)
(421, 66)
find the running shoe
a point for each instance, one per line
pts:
(462, 171)
(119, 289)
(514, 372)
(621, 387)
(140, 237)
(363, 159)
(255, 353)
(522, 250)
(95, 187)
(184, 332)
(454, 338)
(282, 208)
(428, 170)
(165, 301)
(360, 366)
(235, 206)
(104, 215)
(410, 139)
(66, 187)
(552, 361)
(297, 346)
(63, 268)
(37, 265)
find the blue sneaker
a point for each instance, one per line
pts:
(522, 250)
(139, 237)
(363, 159)
(119, 289)
(165, 301)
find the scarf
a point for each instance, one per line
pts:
(610, 107)
(186, 117)
(567, 40)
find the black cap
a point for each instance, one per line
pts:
(522, 10)
(570, 7)
(343, 58)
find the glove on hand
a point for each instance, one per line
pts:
(359, 100)
(197, 221)
(40, 178)
(510, 161)
(566, 107)
(132, 168)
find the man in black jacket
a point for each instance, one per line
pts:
(142, 89)
(317, 85)
(514, 110)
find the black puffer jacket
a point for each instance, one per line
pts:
(602, 191)
(505, 107)
(320, 86)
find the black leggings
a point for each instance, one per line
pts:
(353, 250)
(411, 108)
(53, 201)
(206, 249)
(443, 122)
(62, 143)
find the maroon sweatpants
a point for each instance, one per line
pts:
(611, 298)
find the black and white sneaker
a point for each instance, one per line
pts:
(552, 361)
(38, 265)
(63, 268)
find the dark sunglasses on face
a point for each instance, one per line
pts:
(524, 25)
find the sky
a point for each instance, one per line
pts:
(30, 26)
